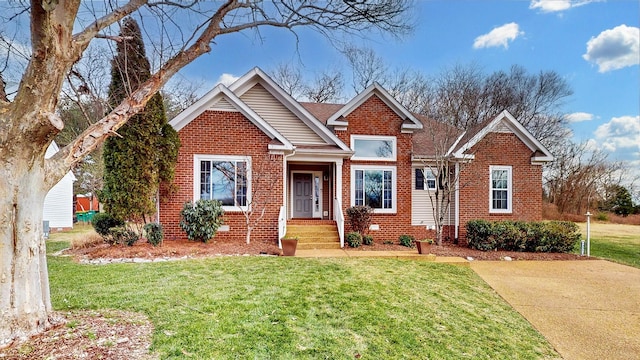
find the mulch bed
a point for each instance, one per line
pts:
(184, 248)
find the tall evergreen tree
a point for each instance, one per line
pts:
(144, 155)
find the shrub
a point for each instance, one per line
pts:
(354, 239)
(102, 222)
(406, 240)
(123, 235)
(367, 240)
(559, 236)
(554, 236)
(602, 216)
(201, 220)
(360, 218)
(480, 235)
(154, 232)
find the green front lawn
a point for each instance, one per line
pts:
(615, 242)
(291, 308)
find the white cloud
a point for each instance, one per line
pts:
(620, 133)
(500, 36)
(579, 117)
(614, 48)
(227, 79)
(557, 5)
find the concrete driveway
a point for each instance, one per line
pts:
(587, 309)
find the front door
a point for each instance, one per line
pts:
(302, 195)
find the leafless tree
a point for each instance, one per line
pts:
(440, 166)
(263, 183)
(60, 34)
(578, 178)
(290, 79)
(326, 88)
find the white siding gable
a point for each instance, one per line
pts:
(502, 127)
(279, 117)
(58, 204)
(223, 105)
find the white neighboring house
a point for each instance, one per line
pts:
(58, 204)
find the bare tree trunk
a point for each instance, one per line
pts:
(25, 302)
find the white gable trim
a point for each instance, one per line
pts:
(220, 91)
(520, 131)
(338, 119)
(256, 75)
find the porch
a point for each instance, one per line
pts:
(312, 209)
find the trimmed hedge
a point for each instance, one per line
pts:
(552, 236)
(354, 239)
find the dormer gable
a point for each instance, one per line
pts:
(502, 123)
(339, 122)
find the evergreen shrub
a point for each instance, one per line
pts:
(354, 239)
(154, 232)
(407, 240)
(553, 236)
(200, 221)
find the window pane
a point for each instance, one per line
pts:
(223, 177)
(359, 184)
(387, 203)
(373, 188)
(431, 179)
(499, 179)
(316, 194)
(205, 180)
(367, 148)
(241, 183)
(500, 199)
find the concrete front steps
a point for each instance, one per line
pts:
(314, 234)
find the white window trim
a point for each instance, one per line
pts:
(196, 177)
(394, 199)
(393, 139)
(509, 208)
(425, 170)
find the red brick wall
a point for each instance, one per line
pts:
(374, 117)
(500, 149)
(226, 133)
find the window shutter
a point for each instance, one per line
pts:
(419, 179)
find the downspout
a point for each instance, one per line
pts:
(457, 201)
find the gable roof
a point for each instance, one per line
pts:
(436, 138)
(222, 92)
(410, 121)
(475, 135)
(322, 111)
(257, 76)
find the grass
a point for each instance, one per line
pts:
(615, 242)
(291, 308)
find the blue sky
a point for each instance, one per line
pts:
(594, 45)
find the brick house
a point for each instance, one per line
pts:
(253, 147)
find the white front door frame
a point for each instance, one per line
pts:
(316, 212)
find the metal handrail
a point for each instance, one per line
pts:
(282, 225)
(337, 211)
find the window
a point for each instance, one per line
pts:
(374, 186)
(222, 178)
(425, 179)
(370, 147)
(500, 189)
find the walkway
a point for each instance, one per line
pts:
(408, 255)
(586, 309)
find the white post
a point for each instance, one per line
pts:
(588, 234)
